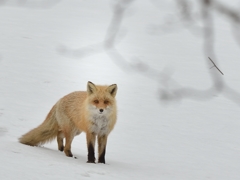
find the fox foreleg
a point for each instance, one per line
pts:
(102, 143)
(91, 138)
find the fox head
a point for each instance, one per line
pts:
(101, 99)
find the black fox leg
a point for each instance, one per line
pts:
(102, 143)
(91, 138)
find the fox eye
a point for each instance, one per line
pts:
(106, 102)
(96, 101)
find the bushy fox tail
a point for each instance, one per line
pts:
(45, 132)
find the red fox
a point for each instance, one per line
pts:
(93, 111)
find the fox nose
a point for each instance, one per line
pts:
(101, 110)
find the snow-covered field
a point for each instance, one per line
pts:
(153, 139)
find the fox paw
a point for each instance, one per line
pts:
(103, 162)
(61, 148)
(68, 153)
(91, 161)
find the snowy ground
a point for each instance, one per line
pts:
(152, 139)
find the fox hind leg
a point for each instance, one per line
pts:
(60, 137)
(68, 134)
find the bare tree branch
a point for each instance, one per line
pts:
(170, 90)
(215, 65)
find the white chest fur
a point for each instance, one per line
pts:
(99, 124)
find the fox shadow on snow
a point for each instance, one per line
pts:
(55, 153)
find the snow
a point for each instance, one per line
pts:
(153, 139)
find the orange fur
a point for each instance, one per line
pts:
(93, 112)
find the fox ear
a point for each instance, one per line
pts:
(91, 88)
(112, 89)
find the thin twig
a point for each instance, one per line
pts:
(214, 65)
